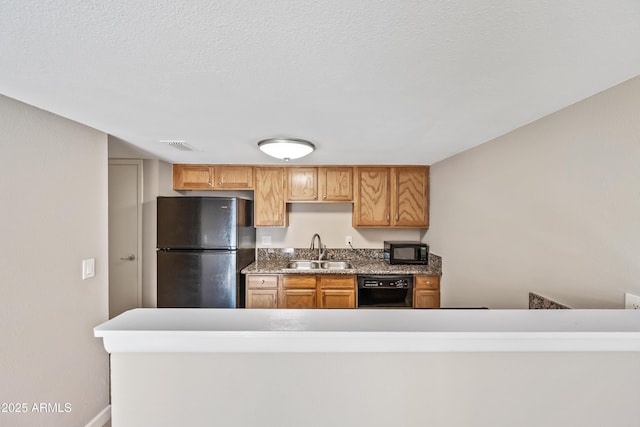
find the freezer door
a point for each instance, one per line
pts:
(197, 223)
(206, 279)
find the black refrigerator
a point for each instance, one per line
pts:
(203, 243)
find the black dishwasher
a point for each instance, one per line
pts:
(385, 291)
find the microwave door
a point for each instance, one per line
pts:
(404, 254)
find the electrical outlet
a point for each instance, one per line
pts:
(348, 241)
(632, 301)
(266, 240)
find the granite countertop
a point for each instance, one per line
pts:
(363, 262)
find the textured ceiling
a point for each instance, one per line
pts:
(369, 81)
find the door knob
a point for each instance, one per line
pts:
(128, 258)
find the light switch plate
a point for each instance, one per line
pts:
(88, 268)
(266, 240)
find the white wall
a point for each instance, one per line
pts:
(54, 215)
(552, 207)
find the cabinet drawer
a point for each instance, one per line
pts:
(337, 282)
(299, 281)
(426, 282)
(262, 281)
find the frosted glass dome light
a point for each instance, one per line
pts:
(286, 148)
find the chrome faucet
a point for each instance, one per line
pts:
(321, 252)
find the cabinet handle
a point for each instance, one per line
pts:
(262, 281)
(324, 197)
(315, 197)
(220, 183)
(211, 184)
(397, 216)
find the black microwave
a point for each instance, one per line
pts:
(406, 252)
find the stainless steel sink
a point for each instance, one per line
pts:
(318, 265)
(336, 265)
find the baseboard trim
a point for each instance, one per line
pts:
(100, 419)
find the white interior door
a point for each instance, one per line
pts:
(125, 235)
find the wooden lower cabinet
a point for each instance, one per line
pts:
(297, 298)
(337, 298)
(337, 291)
(325, 291)
(301, 291)
(262, 298)
(262, 291)
(297, 291)
(426, 299)
(426, 291)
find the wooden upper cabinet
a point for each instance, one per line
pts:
(335, 184)
(212, 177)
(193, 177)
(391, 197)
(302, 184)
(411, 197)
(269, 197)
(319, 184)
(372, 197)
(233, 177)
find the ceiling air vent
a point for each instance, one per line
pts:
(178, 144)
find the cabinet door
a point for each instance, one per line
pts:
(233, 177)
(192, 177)
(335, 184)
(338, 298)
(423, 298)
(269, 202)
(303, 184)
(262, 298)
(411, 206)
(371, 205)
(298, 298)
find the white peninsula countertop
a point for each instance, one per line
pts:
(370, 330)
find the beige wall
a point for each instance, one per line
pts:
(54, 215)
(376, 389)
(553, 207)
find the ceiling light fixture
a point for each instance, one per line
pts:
(286, 148)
